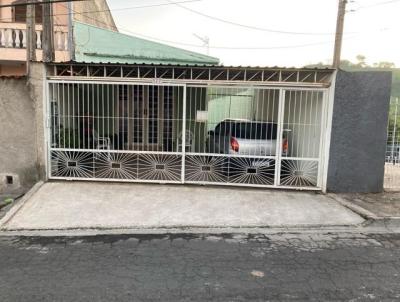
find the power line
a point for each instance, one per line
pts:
(218, 47)
(155, 39)
(249, 26)
(113, 10)
(374, 5)
(229, 47)
(147, 6)
(196, 45)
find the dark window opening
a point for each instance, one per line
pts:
(9, 180)
(19, 12)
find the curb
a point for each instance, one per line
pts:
(356, 229)
(371, 219)
(386, 222)
(367, 215)
(18, 206)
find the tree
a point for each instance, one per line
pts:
(384, 64)
(361, 61)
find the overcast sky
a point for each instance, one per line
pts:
(372, 29)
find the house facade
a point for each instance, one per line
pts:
(283, 128)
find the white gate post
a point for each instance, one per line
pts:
(323, 144)
(47, 127)
(183, 134)
(278, 152)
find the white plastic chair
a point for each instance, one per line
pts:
(189, 146)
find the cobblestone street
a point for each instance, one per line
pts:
(285, 267)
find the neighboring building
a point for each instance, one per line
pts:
(92, 44)
(13, 30)
(94, 29)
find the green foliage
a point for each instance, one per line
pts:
(7, 201)
(361, 65)
(384, 65)
(396, 83)
(394, 121)
(68, 138)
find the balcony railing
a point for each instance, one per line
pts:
(15, 37)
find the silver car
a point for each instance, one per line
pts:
(245, 137)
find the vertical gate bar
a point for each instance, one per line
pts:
(79, 116)
(206, 100)
(254, 117)
(289, 118)
(311, 126)
(264, 117)
(102, 112)
(323, 128)
(304, 120)
(145, 114)
(116, 107)
(93, 129)
(50, 130)
(59, 115)
(183, 134)
(298, 122)
(73, 114)
(63, 113)
(68, 116)
(126, 119)
(278, 152)
(195, 129)
(201, 128)
(394, 129)
(51, 109)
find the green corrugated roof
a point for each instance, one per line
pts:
(94, 44)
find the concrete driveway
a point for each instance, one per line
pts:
(91, 205)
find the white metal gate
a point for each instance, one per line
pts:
(177, 133)
(392, 156)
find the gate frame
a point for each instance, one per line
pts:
(328, 93)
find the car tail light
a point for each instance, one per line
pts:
(234, 144)
(285, 146)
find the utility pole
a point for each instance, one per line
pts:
(30, 35)
(71, 45)
(48, 40)
(339, 33)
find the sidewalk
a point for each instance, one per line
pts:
(104, 206)
(378, 208)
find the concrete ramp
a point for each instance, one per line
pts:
(83, 205)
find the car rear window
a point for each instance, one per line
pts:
(254, 130)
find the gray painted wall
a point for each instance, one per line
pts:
(17, 134)
(358, 139)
